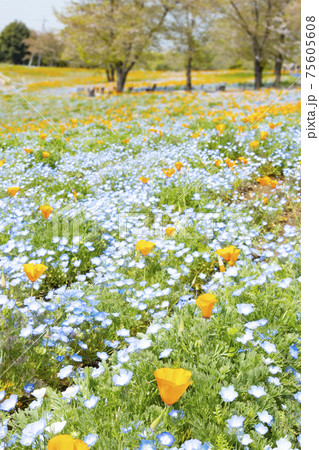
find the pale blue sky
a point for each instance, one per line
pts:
(31, 12)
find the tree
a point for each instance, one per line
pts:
(187, 27)
(286, 35)
(46, 46)
(12, 46)
(113, 34)
(254, 19)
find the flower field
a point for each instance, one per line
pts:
(33, 79)
(150, 271)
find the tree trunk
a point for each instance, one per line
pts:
(31, 60)
(121, 74)
(188, 86)
(258, 73)
(278, 67)
(108, 75)
(112, 72)
(39, 59)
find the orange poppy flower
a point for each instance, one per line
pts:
(170, 231)
(126, 141)
(46, 210)
(221, 264)
(13, 190)
(265, 200)
(264, 180)
(230, 254)
(168, 172)
(206, 303)
(144, 246)
(34, 271)
(43, 136)
(220, 127)
(243, 160)
(217, 162)
(178, 165)
(2, 161)
(263, 135)
(66, 442)
(254, 144)
(229, 163)
(45, 154)
(172, 383)
(28, 150)
(144, 179)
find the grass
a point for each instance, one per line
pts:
(101, 305)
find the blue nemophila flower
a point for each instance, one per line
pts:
(176, 414)
(274, 380)
(123, 378)
(28, 388)
(274, 369)
(97, 371)
(91, 402)
(165, 353)
(166, 439)
(260, 428)
(245, 308)
(147, 445)
(123, 332)
(70, 392)
(194, 444)
(284, 283)
(268, 347)
(2, 395)
(257, 391)
(102, 355)
(77, 358)
(56, 427)
(265, 417)
(294, 352)
(91, 439)
(3, 429)
(228, 394)
(65, 372)
(235, 421)
(9, 404)
(297, 396)
(283, 444)
(32, 431)
(245, 439)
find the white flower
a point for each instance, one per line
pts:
(9, 404)
(70, 392)
(165, 353)
(39, 393)
(91, 402)
(32, 431)
(261, 429)
(56, 427)
(257, 391)
(268, 347)
(91, 439)
(228, 394)
(123, 378)
(235, 421)
(245, 308)
(265, 417)
(283, 444)
(65, 371)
